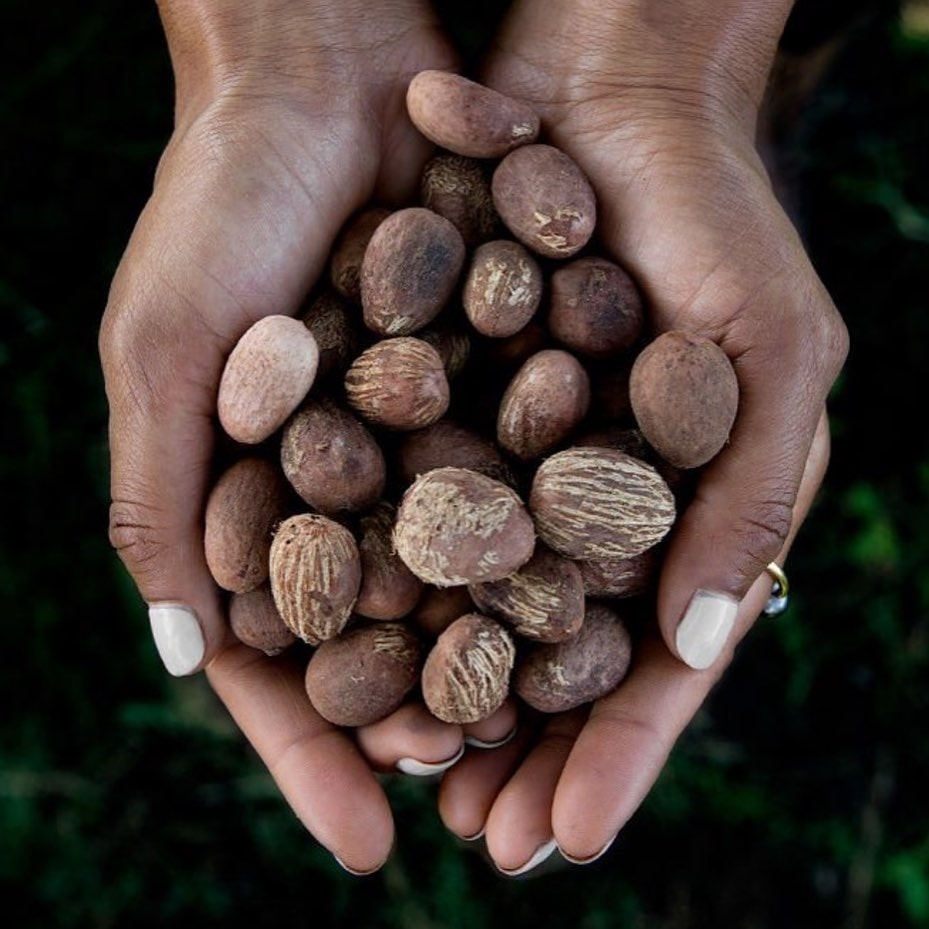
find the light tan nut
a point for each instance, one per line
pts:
(315, 576)
(599, 503)
(331, 460)
(459, 189)
(410, 269)
(467, 118)
(467, 671)
(364, 674)
(543, 404)
(456, 526)
(398, 383)
(684, 395)
(502, 289)
(348, 252)
(255, 621)
(545, 200)
(620, 577)
(267, 374)
(556, 678)
(543, 600)
(246, 503)
(336, 326)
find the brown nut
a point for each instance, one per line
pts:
(335, 326)
(467, 671)
(502, 289)
(348, 252)
(331, 459)
(452, 343)
(363, 674)
(545, 200)
(684, 395)
(459, 189)
(315, 576)
(559, 677)
(595, 308)
(543, 600)
(409, 271)
(389, 590)
(599, 503)
(620, 577)
(456, 526)
(543, 404)
(467, 118)
(246, 503)
(398, 383)
(255, 621)
(439, 607)
(267, 374)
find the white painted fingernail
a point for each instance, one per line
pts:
(542, 853)
(591, 858)
(352, 871)
(424, 768)
(704, 630)
(473, 838)
(178, 637)
(474, 742)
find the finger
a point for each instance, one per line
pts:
(494, 731)
(624, 745)
(316, 766)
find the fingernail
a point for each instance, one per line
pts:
(352, 871)
(425, 768)
(473, 838)
(475, 742)
(178, 637)
(591, 858)
(541, 854)
(704, 630)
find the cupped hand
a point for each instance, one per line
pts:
(289, 116)
(658, 104)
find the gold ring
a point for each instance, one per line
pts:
(780, 588)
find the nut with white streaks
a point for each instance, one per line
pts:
(502, 289)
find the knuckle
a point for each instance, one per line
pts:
(761, 533)
(136, 539)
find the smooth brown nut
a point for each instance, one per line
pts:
(543, 600)
(246, 503)
(459, 189)
(620, 577)
(466, 676)
(456, 526)
(267, 374)
(684, 395)
(452, 343)
(255, 621)
(467, 118)
(331, 459)
(559, 677)
(349, 249)
(595, 308)
(439, 607)
(364, 674)
(398, 383)
(409, 271)
(543, 404)
(315, 576)
(545, 200)
(389, 590)
(335, 325)
(502, 289)
(599, 503)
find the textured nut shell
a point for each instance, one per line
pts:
(543, 600)
(255, 621)
(389, 590)
(459, 189)
(439, 607)
(410, 269)
(543, 404)
(398, 383)
(315, 576)
(335, 325)
(348, 252)
(684, 395)
(467, 118)
(467, 672)
(246, 503)
(595, 308)
(267, 374)
(456, 526)
(331, 459)
(545, 200)
(596, 503)
(620, 577)
(502, 289)
(363, 674)
(559, 677)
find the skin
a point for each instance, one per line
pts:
(289, 117)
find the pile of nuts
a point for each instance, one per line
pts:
(457, 463)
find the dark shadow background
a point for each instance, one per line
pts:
(798, 798)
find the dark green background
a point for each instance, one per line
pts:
(798, 798)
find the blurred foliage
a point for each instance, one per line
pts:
(127, 798)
